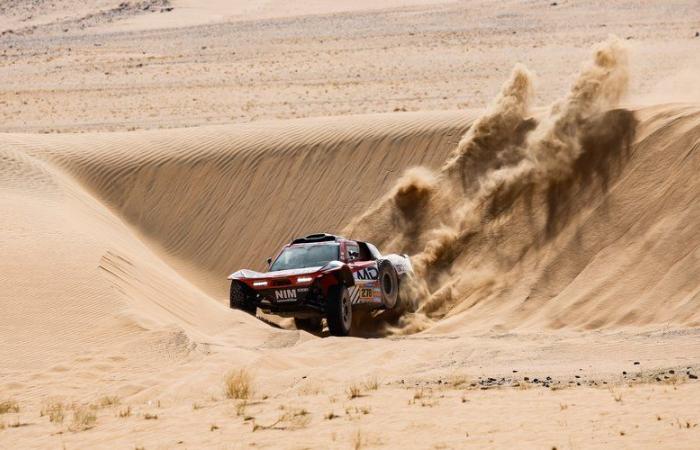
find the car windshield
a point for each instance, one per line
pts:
(306, 256)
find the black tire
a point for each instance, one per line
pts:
(389, 285)
(339, 313)
(310, 324)
(239, 299)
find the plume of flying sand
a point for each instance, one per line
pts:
(445, 219)
(421, 200)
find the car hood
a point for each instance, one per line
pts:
(251, 274)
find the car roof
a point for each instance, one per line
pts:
(317, 238)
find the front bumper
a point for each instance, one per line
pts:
(291, 301)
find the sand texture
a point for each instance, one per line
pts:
(551, 210)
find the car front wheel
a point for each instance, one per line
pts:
(239, 299)
(339, 311)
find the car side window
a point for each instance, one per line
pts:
(353, 252)
(365, 252)
(374, 253)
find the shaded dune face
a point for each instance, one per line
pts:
(213, 200)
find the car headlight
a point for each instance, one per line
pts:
(304, 279)
(259, 283)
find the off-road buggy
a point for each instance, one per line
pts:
(322, 276)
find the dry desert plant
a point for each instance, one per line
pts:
(293, 419)
(149, 416)
(9, 406)
(240, 407)
(617, 395)
(84, 418)
(126, 412)
(429, 402)
(310, 389)
(238, 384)
(675, 379)
(419, 394)
(523, 385)
(685, 424)
(424, 397)
(371, 384)
(55, 410)
(458, 380)
(17, 424)
(357, 440)
(330, 416)
(354, 412)
(107, 401)
(354, 391)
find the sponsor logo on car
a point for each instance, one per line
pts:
(285, 295)
(368, 273)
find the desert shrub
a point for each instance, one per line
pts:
(238, 384)
(55, 410)
(107, 401)
(293, 419)
(354, 391)
(84, 418)
(9, 406)
(371, 384)
(126, 412)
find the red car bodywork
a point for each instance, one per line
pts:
(302, 292)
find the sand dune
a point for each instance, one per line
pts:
(588, 251)
(585, 249)
(119, 242)
(214, 198)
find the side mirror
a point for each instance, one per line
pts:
(269, 261)
(353, 255)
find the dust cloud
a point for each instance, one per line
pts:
(467, 225)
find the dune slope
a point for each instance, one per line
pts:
(117, 246)
(219, 198)
(614, 245)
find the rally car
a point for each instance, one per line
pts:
(322, 276)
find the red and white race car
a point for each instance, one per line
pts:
(322, 276)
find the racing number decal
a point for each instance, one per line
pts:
(365, 289)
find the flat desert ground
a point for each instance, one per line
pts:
(538, 160)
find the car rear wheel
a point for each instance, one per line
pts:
(310, 324)
(339, 311)
(389, 284)
(239, 299)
